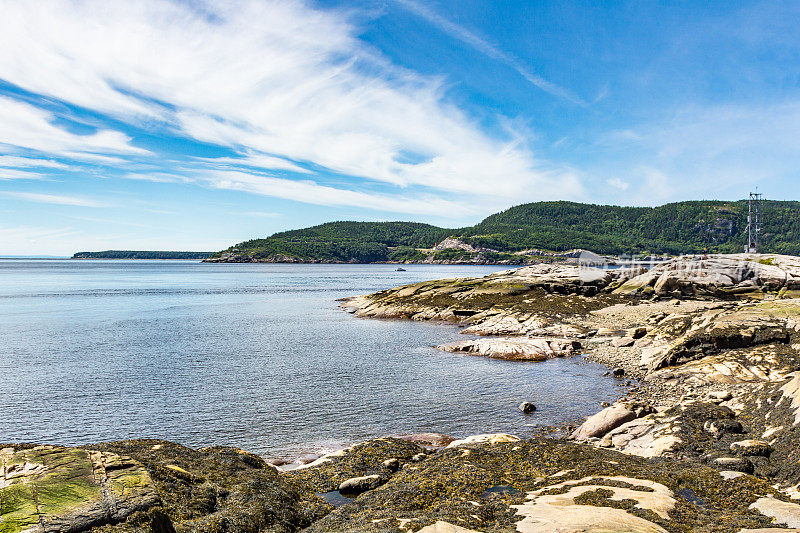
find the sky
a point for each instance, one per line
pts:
(197, 124)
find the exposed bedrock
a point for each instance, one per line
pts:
(721, 276)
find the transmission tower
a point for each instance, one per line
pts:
(753, 222)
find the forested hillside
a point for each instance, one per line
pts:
(683, 227)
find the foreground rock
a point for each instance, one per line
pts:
(56, 489)
(150, 485)
(546, 485)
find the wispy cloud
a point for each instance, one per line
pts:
(313, 193)
(10, 161)
(488, 49)
(278, 82)
(55, 199)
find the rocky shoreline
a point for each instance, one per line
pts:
(706, 439)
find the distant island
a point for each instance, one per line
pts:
(531, 233)
(141, 254)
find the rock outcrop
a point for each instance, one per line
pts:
(52, 489)
(721, 276)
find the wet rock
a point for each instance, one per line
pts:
(558, 486)
(618, 372)
(307, 458)
(527, 407)
(722, 426)
(357, 485)
(364, 459)
(276, 461)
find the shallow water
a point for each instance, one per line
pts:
(254, 356)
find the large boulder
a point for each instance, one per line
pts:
(601, 423)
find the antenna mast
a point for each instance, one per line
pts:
(753, 222)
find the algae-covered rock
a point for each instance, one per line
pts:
(218, 489)
(65, 490)
(362, 460)
(543, 485)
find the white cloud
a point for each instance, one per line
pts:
(313, 193)
(618, 183)
(28, 127)
(11, 161)
(20, 174)
(257, 161)
(275, 80)
(56, 199)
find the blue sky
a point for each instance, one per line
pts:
(196, 124)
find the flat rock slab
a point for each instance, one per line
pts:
(64, 490)
(547, 512)
(445, 527)
(783, 513)
(514, 349)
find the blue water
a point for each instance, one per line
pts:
(254, 356)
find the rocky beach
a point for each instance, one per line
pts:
(704, 439)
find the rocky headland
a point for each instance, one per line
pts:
(706, 438)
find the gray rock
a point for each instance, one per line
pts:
(392, 464)
(527, 407)
(357, 485)
(739, 464)
(601, 423)
(722, 426)
(719, 396)
(623, 342)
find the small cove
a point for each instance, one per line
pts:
(254, 356)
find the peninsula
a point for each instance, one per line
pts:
(141, 254)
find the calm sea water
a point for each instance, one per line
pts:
(254, 356)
